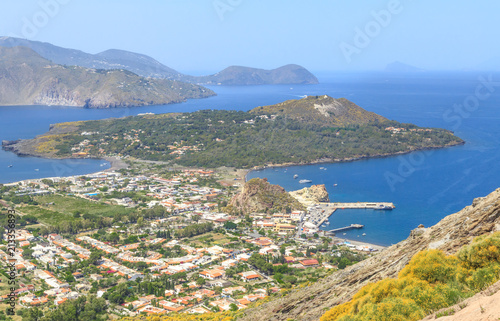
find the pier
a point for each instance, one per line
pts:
(364, 205)
(345, 228)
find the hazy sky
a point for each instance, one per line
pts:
(209, 35)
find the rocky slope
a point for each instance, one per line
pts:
(259, 196)
(311, 195)
(449, 235)
(483, 306)
(146, 66)
(322, 110)
(28, 79)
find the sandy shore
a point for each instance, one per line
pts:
(373, 246)
(116, 164)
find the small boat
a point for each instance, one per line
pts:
(321, 168)
(305, 181)
(383, 207)
(335, 185)
(295, 176)
(36, 169)
(9, 166)
(343, 234)
(364, 234)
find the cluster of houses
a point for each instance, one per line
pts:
(396, 130)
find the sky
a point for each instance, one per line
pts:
(205, 36)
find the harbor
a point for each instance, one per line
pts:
(321, 212)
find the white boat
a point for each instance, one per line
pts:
(305, 181)
(36, 169)
(9, 166)
(321, 168)
(335, 185)
(295, 176)
(364, 234)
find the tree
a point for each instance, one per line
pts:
(228, 225)
(140, 221)
(233, 307)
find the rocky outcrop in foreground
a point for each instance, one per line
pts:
(484, 306)
(449, 235)
(311, 195)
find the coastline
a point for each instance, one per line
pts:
(360, 243)
(351, 159)
(116, 164)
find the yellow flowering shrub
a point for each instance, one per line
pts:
(430, 281)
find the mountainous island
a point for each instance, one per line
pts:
(146, 66)
(26, 78)
(312, 129)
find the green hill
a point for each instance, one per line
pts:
(322, 110)
(28, 79)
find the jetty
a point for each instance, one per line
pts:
(364, 205)
(345, 228)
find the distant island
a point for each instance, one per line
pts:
(146, 66)
(26, 78)
(309, 130)
(244, 76)
(398, 66)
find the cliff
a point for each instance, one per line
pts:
(449, 235)
(259, 196)
(311, 195)
(28, 79)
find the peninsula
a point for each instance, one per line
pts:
(312, 129)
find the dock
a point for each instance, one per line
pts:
(364, 205)
(345, 228)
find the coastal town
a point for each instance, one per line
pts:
(189, 254)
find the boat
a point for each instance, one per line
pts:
(9, 166)
(335, 185)
(343, 234)
(295, 176)
(364, 234)
(321, 168)
(36, 169)
(384, 207)
(305, 181)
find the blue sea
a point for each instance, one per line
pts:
(425, 186)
